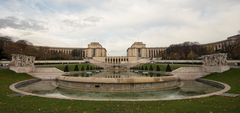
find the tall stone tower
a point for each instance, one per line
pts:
(138, 49)
(95, 49)
(136, 52)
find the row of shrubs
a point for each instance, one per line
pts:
(150, 68)
(82, 68)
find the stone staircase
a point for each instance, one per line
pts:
(99, 63)
(141, 61)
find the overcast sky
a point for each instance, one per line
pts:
(116, 24)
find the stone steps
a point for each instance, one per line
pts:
(47, 70)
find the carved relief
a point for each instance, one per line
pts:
(22, 60)
(219, 59)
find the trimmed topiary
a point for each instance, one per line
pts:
(158, 68)
(139, 67)
(146, 68)
(150, 68)
(93, 67)
(87, 68)
(76, 68)
(168, 69)
(82, 68)
(66, 68)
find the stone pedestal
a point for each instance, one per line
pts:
(22, 63)
(215, 63)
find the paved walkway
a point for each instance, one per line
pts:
(190, 73)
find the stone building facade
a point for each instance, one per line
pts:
(139, 49)
(136, 53)
(116, 59)
(94, 49)
(221, 45)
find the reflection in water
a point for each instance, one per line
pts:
(50, 89)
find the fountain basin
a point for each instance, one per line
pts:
(118, 80)
(132, 84)
(187, 90)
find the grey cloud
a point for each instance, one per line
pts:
(92, 19)
(16, 23)
(69, 22)
(75, 23)
(85, 22)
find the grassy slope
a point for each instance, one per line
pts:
(70, 66)
(164, 66)
(230, 77)
(29, 104)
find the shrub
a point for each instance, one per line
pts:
(146, 67)
(151, 68)
(82, 68)
(168, 69)
(66, 68)
(76, 68)
(87, 68)
(97, 68)
(158, 68)
(135, 68)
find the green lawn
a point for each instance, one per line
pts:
(29, 104)
(230, 77)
